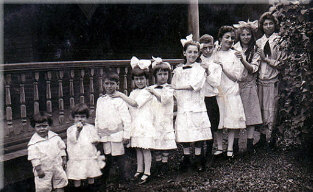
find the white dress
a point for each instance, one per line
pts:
(83, 157)
(142, 130)
(192, 122)
(232, 114)
(163, 118)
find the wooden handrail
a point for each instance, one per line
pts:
(71, 64)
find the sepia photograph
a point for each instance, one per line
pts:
(155, 95)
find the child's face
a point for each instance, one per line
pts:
(245, 37)
(268, 27)
(227, 40)
(80, 118)
(110, 86)
(140, 81)
(161, 77)
(42, 129)
(207, 49)
(191, 53)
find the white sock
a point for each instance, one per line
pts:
(139, 160)
(197, 151)
(147, 160)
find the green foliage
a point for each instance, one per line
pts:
(295, 119)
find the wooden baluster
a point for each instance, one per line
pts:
(91, 88)
(48, 92)
(36, 93)
(8, 103)
(61, 101)
(72, 99)
(125, 81)
(101, 82)
(118, 71)
(82, 90)
(22, 100)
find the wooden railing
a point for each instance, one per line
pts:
(54, 87)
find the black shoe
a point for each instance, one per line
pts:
(185, 164)
(145, 180)
(262, 142)
(198, 163)
(250, 147)
(236, 146)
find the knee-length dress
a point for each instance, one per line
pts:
(83, 157)
(192, 121)
(163, 118)
(142, 132)
(232, 114)
(248, 89)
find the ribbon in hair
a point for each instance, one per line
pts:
(142, 64)
(188, 39)
(253, 25)
(159, 61)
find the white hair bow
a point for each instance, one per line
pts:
(142, 64)
(158, 61)
(188, 39)
(253, 24)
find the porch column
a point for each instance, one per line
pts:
(193, 19)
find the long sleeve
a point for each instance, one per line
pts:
(126, 118)
(94, 137)
(143, 98)
(198, 79)
(214, 79)
(71, 135)
(255, 63)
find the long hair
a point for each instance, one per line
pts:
(251, 47)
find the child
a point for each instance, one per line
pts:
(192, 122)
(249, 56)
(143, 132)
(84, 160)
(46, 151)
(213, 80)
(163, 106)
(271, 56)
(232, 116)
(113, 121)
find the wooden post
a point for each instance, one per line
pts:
(91, 88)
(101, 82)
(48, 92)
(36, 93)
(8, 103)
(22, 100)
(72, 99)
(193, 19)
(125, 80)
(82, 90)
(61, 101)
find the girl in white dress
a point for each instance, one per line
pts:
(192, 122)
(163, 107)
(142, 130)
(232, 116)
(84, 161)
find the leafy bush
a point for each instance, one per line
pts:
(295, 118)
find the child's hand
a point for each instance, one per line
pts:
(39, 171)
(116, 94)
(219, 63)
(239, 55)
(151, 90)
(172, 86)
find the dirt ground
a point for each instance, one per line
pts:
(274, 170)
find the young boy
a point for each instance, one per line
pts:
(113, 122)
(46, 151)
(214, 72)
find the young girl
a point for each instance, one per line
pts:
(163, 106)
(84, 160)
(249, 56)
(192, 122)
(268, 74)
(142, 132)
(213, 80)
(113, 123)
(46, 151)
(232, 115)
